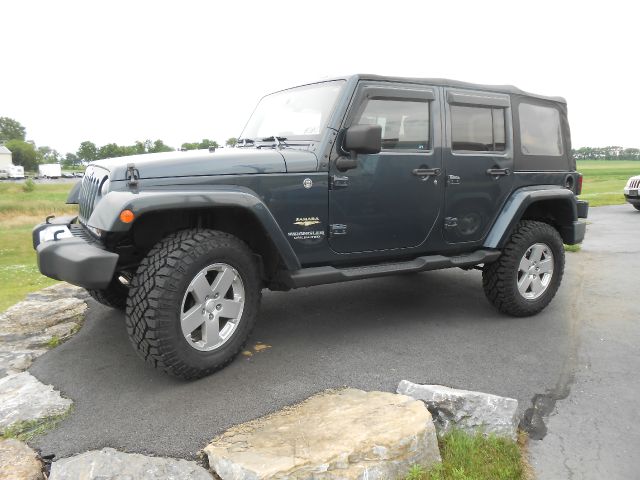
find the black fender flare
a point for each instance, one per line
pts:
(106, 215)
(516, 205)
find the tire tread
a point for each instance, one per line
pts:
(149, 306)
(497, 277)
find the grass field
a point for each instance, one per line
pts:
(466, 457)
(20, 211)
(604, 180)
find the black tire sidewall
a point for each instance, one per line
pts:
(192, 265)
(542, 234)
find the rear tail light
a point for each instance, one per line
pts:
(579, 185)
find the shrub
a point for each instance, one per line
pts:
(28, 186)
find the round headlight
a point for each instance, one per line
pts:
(104, 189)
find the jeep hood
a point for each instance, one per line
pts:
(225, 161)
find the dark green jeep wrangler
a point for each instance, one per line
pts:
(343, 179)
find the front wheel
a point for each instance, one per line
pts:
(637, 207)
(527, 275)
(193, 302)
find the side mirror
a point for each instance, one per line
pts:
(363, 139)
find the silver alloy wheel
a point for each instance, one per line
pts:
(212, 307)
(535, 271)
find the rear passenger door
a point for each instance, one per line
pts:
(478, 162)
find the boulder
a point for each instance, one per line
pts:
(57, 291)
(15, 359)
(18, 461)
(469, 411)
(34, 316)
(343, 434)
(28, 327)
(25, 398)
(111, 464)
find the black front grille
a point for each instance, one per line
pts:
(89, 192)
(79, 231)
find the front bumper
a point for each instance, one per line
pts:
(635, 200)
(79, 260)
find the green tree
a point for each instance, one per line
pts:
(111, 150)
(23, 153)
(88, 152)
(205, 143)
(159, 146)
(70, 160)
(231, 142)
(11, 129)
(48, 155)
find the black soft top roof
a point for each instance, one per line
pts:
(509, 89)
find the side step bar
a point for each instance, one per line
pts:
(307, 277)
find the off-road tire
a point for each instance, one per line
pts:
(114, 296)
(499, 278)
(157, 291)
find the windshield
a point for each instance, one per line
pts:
(296, 114)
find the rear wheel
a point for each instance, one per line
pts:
(527, 275)
(193, 302)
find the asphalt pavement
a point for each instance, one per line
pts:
(593, 432)
(434, 327)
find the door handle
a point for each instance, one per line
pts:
(426, 172)
(498, 171)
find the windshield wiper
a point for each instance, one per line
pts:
(279, 141)
(244, 142)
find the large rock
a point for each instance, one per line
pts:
(109, 464)
(469, 411)
(34, 316)
(29, 327)
(18, 461)
(59, 290)
(24, 398)
(345, 434)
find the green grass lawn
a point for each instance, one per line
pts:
(604, 180)
(19, 212)
(466, 457)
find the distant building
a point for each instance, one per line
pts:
(5, 157)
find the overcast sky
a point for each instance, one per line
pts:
(120, 71)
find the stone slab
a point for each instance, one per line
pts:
(466, 410)
(110, 464)
(345, 434)
(23, 397)
(18, 461)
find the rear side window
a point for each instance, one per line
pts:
(405, 123)
(540, 132)
(479, 129)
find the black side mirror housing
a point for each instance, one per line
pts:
(365, 139)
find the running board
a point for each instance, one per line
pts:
(307, 277)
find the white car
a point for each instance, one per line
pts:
(632, 191)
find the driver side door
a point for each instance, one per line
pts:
(392, 199)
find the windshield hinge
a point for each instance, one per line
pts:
(338, 181)
(133, 175)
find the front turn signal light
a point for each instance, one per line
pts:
(127, 216)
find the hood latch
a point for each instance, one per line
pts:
(133, 175)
